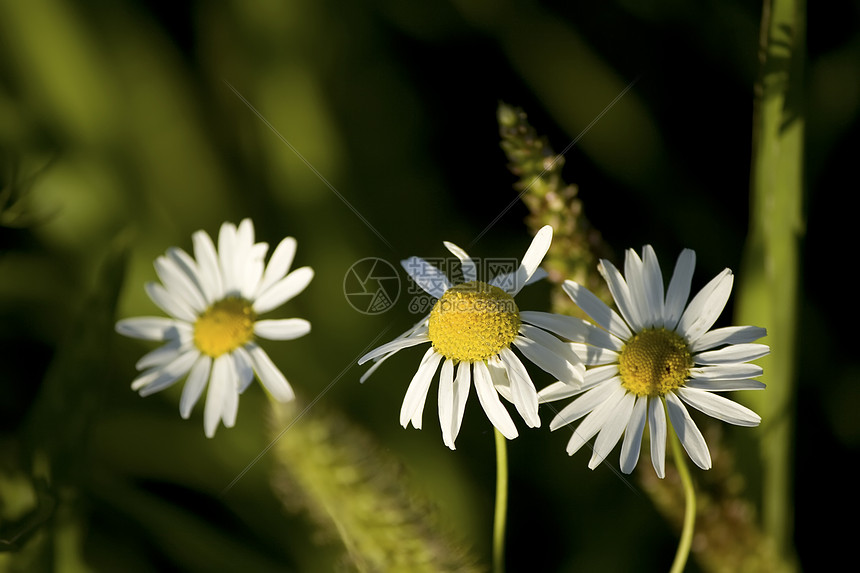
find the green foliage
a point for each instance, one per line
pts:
(357, 494)
(770, 290)
(577, 245)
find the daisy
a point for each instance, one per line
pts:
(213, 301)
(657, 356)
(471, 330)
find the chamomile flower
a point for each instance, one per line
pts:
(656, 356)
(471, 331)
(213, 301)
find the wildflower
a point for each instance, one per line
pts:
(213, 302)
(658, 355)
(471, 330)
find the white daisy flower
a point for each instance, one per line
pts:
(471, 330)
(213, 301)
(656, 356)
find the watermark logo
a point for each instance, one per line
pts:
(371, 285)
(504, 271)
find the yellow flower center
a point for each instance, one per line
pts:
(473, 321)
(224, 327)
(654, 362)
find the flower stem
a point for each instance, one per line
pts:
(501, 503)
(686, 541)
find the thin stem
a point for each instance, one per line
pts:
(686, 541)
(501, 503)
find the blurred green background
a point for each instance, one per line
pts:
(119, 137)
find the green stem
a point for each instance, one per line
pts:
(686, 541)
(501, 503)
(769, 294)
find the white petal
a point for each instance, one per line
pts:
(227, 254)
(186, 263)
(586, 403)
(251, 270)
(219, 387)
(151, 328)
(207, 264)
(558, 391)
(190, 268)
(470, 272)
(719, 407)
(522, 388)
(726, 372)
(394, 346)
(621, 294)
(244, 368)
(593, 355)
(283, 290)
(162, 355)
(564, 350)
(679, 288)
(417, 333)
(489, 399)
(429, 278)
(273, 379)
(611, 431)
(593, 377)
(235, 248)
(453, 393)
(632, 443)
(652, 281)
(732, 354)
(245, 232)
(687, 431)
(597, 309)
(279, 264)
(573, 329)
(551, 354)
(282, 329)
(506, 281)
(179, 284)
(446, 403)
(165, 376)
(597, 419)
(462, 384)
(532, 259)
(230, 405)
(146, 377)
(231, 409)
(499, 376)
(724, 385)
(639, 295)
(373, 367)
(169, 303)
(659, 434)
(416, 394)
(538, 275)
(706, 307)
(194, 385)
(727, 335)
